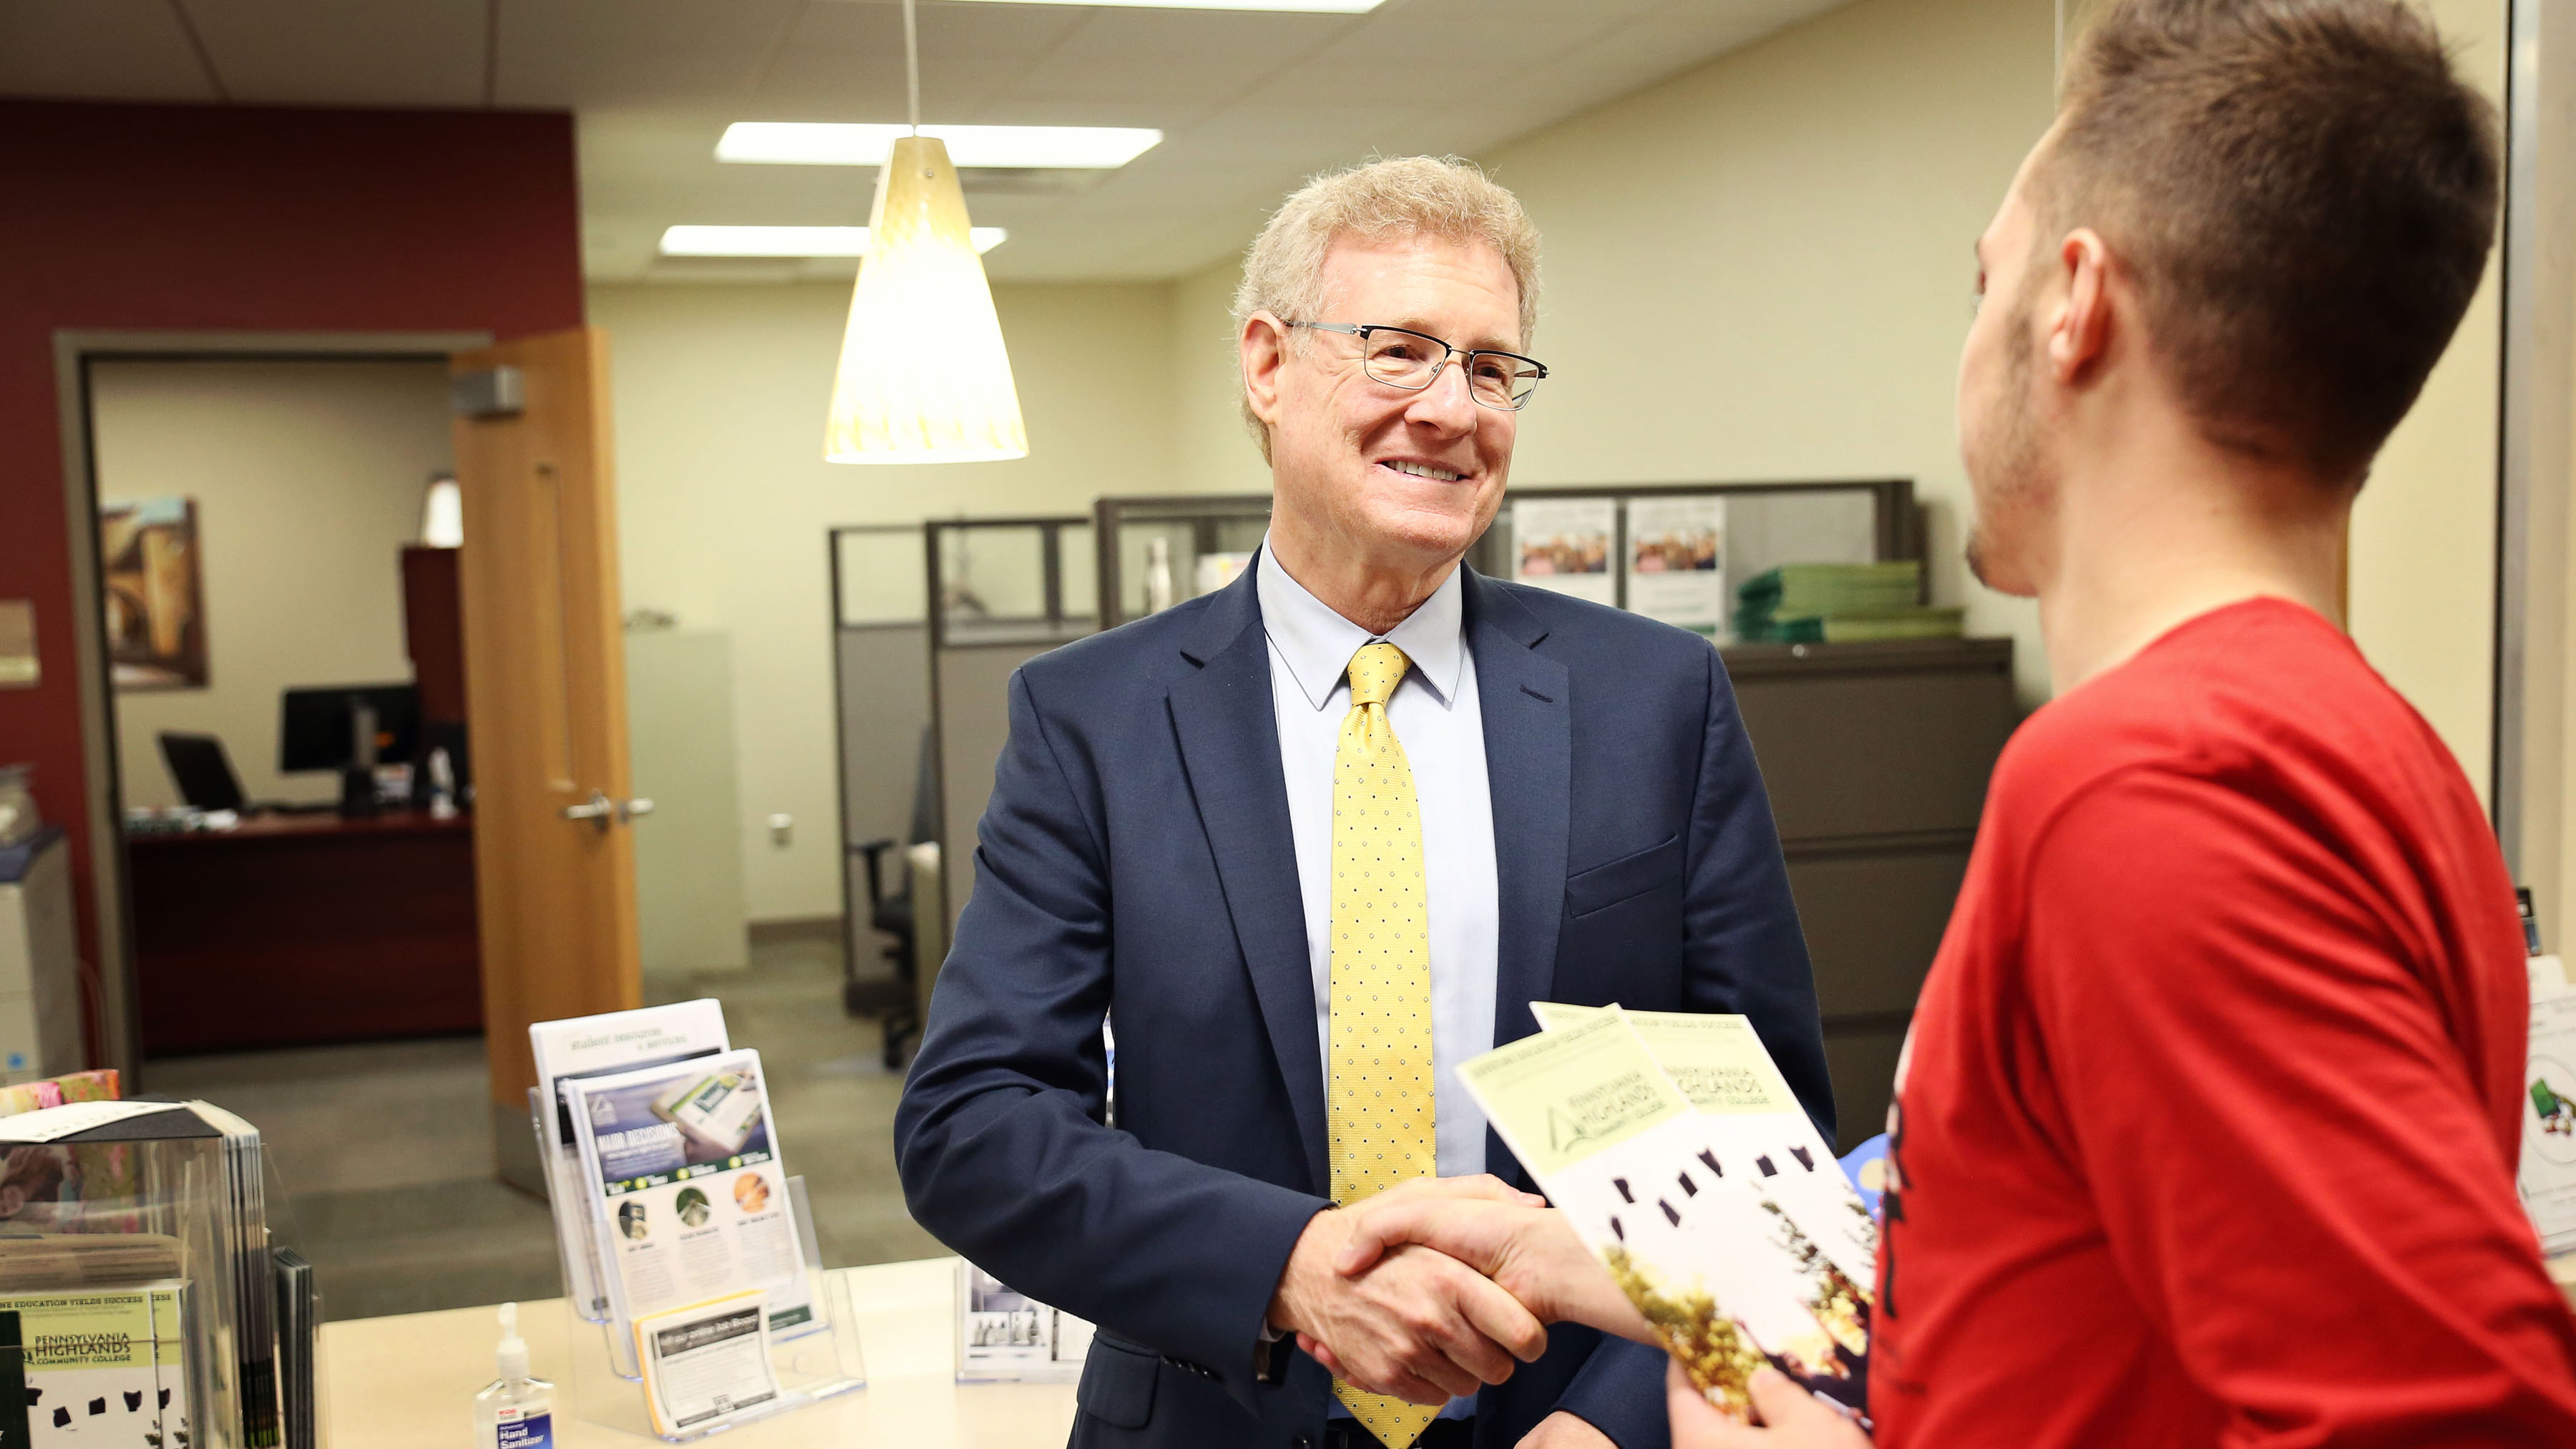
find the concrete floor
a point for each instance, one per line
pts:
(383, 1151)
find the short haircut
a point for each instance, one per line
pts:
(2305, 193)
(1405, 196)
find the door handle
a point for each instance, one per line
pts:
(599, 810)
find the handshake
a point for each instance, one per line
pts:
(1429, 1290)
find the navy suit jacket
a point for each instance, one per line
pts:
(1136, 861)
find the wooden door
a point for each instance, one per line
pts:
(546, 698)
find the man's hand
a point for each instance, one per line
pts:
(1562, 1430)
(1523, 1245)
(1419, 1325)
(1792, 1418)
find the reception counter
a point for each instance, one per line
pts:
(408, 1381)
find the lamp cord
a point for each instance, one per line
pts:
(912, 66)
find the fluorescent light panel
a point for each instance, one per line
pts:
(825, 143)
(789, 241)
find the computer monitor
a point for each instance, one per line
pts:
(316, 725)
(201, 770)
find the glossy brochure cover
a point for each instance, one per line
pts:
(1726, 1278)
(689, 1213)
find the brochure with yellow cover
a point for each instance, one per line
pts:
(1761, 1131)
(1659, 1191)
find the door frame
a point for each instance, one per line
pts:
(119, 1024)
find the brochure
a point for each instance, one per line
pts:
(100, 1368)
(584, 1046)
(2547, 1179)
(682, 1170)
(1564, 544)
(1677, 561)
(1722, 1270)
(1761, 1131)
(706, 1363)
(1004, 1334)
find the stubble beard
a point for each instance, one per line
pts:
(2015, 460)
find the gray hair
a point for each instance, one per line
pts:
(1405, 196)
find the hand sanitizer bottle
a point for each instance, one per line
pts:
(516, 1412)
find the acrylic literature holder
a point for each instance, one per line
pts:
(813, 1361)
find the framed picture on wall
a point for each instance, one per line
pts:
(152, 579)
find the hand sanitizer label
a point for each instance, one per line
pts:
(524, 1429)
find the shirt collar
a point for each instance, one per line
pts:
(1316, 644)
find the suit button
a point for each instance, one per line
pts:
(1304, 1443)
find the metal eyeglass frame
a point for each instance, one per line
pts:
(1361, 330)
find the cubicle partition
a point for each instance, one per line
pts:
(881, 690)
(1000, 592)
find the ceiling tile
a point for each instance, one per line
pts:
(584, 53)
(418, 53)
(117, 50)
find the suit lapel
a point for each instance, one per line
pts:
(1529, 761)
(1229, 738)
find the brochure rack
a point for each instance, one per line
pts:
(606, 1387)
(138, 1288)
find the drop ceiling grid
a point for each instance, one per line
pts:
(1250, 102)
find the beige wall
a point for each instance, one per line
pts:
(1761, 270)
(308, 478)
(724, 497)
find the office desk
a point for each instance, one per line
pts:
(408, 1381)
(300, 929)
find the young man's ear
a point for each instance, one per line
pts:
(2080, 334)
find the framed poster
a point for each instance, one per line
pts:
(152, 580)
(1676, 561)
(1564, 544)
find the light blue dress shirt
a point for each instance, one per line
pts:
(1438, 721)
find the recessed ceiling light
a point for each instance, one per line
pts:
(820, 143)
(1322, 7)
(789, 241)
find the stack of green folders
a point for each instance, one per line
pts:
(1839, 604)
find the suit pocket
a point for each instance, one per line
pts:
(1604, 886)
(1117, 1385)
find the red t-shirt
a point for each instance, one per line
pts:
(2207, 1126)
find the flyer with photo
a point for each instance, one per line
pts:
(2547, 1178)
(689, 1193)
(1761, 1131)
(1564, 544)
(587, 1046)
(1676, 561)
(706, 1364)
(1725, 1278)
(1004, 1334)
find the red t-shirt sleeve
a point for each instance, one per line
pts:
(2285, 1148)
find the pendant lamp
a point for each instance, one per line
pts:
(924, 377)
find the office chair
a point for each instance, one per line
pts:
(890, 912)
(201, 770)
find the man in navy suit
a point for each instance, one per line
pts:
(1573, 815)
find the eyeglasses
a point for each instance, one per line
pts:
(1400, 357)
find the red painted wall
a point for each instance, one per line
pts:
(240, 219)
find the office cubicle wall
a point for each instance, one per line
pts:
(881, 690)
(999, 592)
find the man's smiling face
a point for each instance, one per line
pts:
(1408, 478)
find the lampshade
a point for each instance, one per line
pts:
(442, 513)
(924, 377)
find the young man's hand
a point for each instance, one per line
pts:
(1510, 1237)
(1419, 1325)
(1792, 1418)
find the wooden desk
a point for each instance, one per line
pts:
(408, 1382)
(300, 929)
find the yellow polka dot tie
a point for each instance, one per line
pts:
(1378, 1104)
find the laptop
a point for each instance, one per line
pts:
(200, 769)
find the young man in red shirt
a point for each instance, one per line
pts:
(2207, 1126)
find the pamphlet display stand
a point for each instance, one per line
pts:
(821, 1358)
